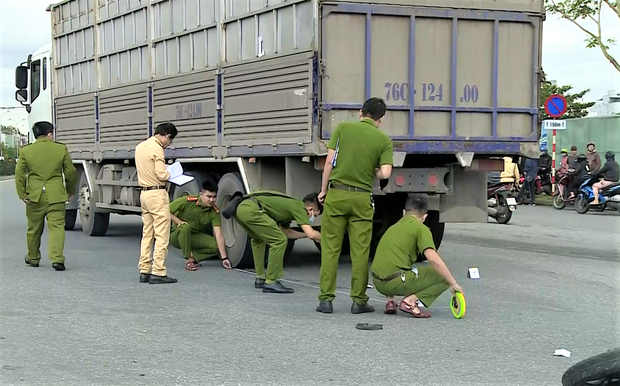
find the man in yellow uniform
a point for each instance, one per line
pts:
(190, 214)
(357, 153)
(394, 270)
(40, 184)
(266, 215)
(155, 203)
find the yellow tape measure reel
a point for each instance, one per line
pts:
(457, 305)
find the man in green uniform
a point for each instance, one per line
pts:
(40, 184)
(189, 215)
(357, 153)
(394, 271)
(266, 217)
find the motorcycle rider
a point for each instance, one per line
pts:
(544, 168)
(610, 172)
(579, 174)
(510, 174)
(563, 163)
(530, 170)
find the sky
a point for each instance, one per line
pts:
(25, 27)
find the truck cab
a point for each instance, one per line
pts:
(33, 80)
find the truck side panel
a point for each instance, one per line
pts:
(123, 113)
(474, 74)
(75, 121)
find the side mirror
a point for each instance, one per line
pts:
(21, 77)
(21, 96)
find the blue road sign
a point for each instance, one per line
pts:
(555, 105)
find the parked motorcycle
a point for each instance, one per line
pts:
(608, 197)
(501, 202)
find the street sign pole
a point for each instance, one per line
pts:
(555, 107)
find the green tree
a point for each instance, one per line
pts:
(576, 107)
(579, 12)
(8, 130)
(7, 161)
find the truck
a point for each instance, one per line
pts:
(256, 87)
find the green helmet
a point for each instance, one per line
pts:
(564, 150)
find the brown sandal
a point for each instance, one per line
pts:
(408, 308)
(190, 265)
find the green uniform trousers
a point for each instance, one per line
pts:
(202, 245)
(36, 213)
(427, 285)
(352, 212)
(263, 231)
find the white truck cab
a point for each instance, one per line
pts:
(33, 80)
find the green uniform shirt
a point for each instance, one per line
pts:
(282, 208)
(360, 148)
(400, 245)
(189, 209)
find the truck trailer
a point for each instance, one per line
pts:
(256, 87)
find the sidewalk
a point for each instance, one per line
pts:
(2, 178)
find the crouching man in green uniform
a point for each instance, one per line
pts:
(266, 216)
(40, 184)
(394, 271)
(189, 215)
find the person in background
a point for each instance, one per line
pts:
(510, 174)
(155, 203)
(394, 270)
(572, 158)
(190, 214)
(45, 179)
(563, 163)
(580, 173)
(610, 174)
(594, 160)
(530, 171)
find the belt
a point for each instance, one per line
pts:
(388, 278)
(348, 188)
(153, 187)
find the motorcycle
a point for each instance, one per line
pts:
(608, 197)
(560, 199)
(501, 202)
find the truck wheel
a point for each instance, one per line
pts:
(237, 241)
(70, 218)
(601, 369)
(437, 228)
(93, 223)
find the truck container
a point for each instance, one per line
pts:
(256, 87)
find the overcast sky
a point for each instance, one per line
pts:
(25, 27)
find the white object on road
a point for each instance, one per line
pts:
(176, 174)
(562, 352)
(473, 273)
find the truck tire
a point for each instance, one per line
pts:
(70, 218)
(237, 241)
(437, 229)
(93, 223)
(601, 369)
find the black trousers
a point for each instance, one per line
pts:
(528, 186)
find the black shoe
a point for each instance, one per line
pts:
(361, 308)
(259, 283)
(31, 264)
(276, 288)
(325, 307)
(144, 277)
(161, 280)
(58, 266)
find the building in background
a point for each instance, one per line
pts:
(10, 140)
(608, 105)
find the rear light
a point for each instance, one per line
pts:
(399, 180)
(432, 179)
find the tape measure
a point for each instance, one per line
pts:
(457, 305)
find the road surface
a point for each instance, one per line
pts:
(549, 281)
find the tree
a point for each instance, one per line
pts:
(9, 130)
(575, 109)
(580, 11)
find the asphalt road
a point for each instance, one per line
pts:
(550, 280)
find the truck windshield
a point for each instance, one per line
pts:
(35, 80)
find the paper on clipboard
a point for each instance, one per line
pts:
(176, 174)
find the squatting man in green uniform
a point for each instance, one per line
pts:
(266, 217)
(394, 270)
(41, 186)
(190, 214)
(357, 153)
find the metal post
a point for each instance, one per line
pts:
(553, 167)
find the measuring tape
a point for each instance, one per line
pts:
(457, 305)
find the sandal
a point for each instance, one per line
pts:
(408, 308)
(190, 265)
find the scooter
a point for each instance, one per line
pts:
(608, 197)
(501, 202)
(560, 199)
